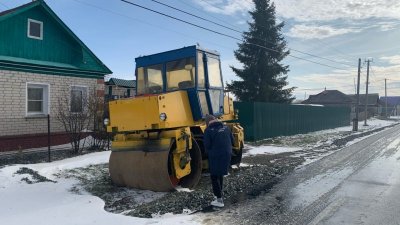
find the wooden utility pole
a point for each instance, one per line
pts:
(366, 93)
(385, 100)
(355, 120)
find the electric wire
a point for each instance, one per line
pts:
(147, 23)
(223, 34)
(181, 20)
(198, 17)
(201, 10)
(238, 31)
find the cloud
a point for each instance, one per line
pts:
(311, 10)
(394, 60)
(387, 26)
(348, 12)
(226, 7)
(318, 32)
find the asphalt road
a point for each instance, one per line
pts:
(359, 184)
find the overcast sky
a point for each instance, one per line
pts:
(337, 31)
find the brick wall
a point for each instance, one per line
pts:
(13, 118)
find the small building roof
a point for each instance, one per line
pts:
(31, 57)
(122, 83)
(328, 97)
(391, 100)
(9, 11)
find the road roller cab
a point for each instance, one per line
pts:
(158, 135)
(194, 70)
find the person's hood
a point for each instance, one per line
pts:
(215, 123)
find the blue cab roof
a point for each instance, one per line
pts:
(171, 55)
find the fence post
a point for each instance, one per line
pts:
(48, 137)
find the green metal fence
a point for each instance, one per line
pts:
(264, 120)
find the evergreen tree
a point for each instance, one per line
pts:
(261, 52)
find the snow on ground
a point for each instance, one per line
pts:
(269, 150)
(372, 123)
(48, 203)
(310, 190)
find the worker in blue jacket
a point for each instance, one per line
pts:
(218, 142)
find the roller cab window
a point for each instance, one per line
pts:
(149, 80)
(180, 74)
(214, 72)
(201, 80)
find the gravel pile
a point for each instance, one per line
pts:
(242, 183)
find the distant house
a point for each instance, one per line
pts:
(393, 105)
(119, 88)
(329, 98)
(337, 98)
(373, 103)
(41, 59)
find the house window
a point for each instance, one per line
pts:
(78, 98)
(35, 29)
(37, 100)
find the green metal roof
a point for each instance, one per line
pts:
(122, 83)
(60, 52)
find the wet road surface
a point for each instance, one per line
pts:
(359, 184)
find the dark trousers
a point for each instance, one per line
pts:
(217, 182)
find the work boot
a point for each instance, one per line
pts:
(218, 203)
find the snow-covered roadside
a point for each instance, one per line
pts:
(269, 149)
(53, 203)
(286, 143)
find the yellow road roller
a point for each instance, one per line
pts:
(158, 135)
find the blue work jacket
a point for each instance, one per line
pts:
(218, 141)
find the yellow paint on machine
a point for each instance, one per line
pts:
(143, 113)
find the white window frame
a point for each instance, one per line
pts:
(41, 29)
(70, 95)
(46, 99)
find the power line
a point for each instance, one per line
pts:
(181, 20)
(210, 30)
(145, 22)
(321, 57)
(324, 44)
(217, 6)
(223, 21)
(202, 18)
(335, 26)
(199, 17)
(326, 87)
(223, 34)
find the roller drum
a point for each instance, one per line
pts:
(151, 170)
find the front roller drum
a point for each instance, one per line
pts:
(151, 170)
